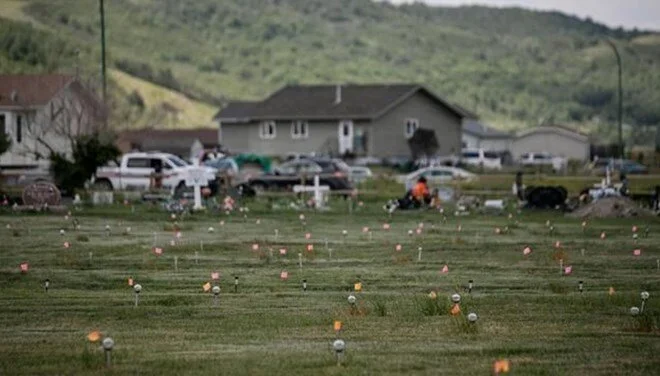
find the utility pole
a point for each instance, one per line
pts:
(620, 110)
(103, 79)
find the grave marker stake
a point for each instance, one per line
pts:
(90, 257)
(304, 284)
(300, 261)
(419, 254)
(108, 344)
(196, 258)
(236, 284)
(561, 266)
(46, 284)
(176, 264)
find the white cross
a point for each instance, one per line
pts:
(197, 178)
(318, 189)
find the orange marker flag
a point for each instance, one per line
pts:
(501, 366)
(94, 336)
(130, 281)
(455, 310)
(445, 269)
(337, 326)
(358, 286)
(24, 267)
(207, 287)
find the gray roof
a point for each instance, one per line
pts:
(318, 102)
(483, 131)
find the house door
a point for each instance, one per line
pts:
(345, 136)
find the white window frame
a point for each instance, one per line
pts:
(297, 128)
(265, 130)
(410, 125)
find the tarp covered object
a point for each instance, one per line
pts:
(265, 162)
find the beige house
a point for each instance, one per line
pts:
(363, 120)
(41, 113)
(557, 140)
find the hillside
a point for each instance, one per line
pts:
(514, 67)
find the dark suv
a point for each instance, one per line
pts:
(291, 173)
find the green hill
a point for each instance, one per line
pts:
(514, 67)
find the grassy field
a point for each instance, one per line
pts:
(528, 311)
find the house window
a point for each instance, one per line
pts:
(267, 130)
(299, 129)
(410, 126)
(3, 130)
(19, 129)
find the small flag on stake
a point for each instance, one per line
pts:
(557, 244)
(602, 235)
(527, 251)
(282, 251)
(455, 310)
(310, 247)
(255, 247)
(386, 226)
(459, 228)
(215, 276)
(308, 236)
(67, 245)
(501, 366)
(130, 281)
(637, 252)
(445, 269)
(94, 336)
(358, 286)
(207, 287)
(172, 242)
(178, 234)
(337, 326)
(284, 275)
(24, 267)
(158, 251)
(568, 270)
(419, 231)
(634, 229)
(398, 247)
(365, 229)
(611, 291)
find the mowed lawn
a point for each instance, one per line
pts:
(529, 313)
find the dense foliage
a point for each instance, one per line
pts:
(512, 66)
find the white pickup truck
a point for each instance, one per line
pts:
(134, 171)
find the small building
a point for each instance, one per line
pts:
(41, 112)
(186, 143)
(362, 120)
(560, 141)
(476, 135)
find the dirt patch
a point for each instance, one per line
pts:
(610, 207)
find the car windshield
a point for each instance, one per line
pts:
(490, 154)
(470, 154)
(177, 161)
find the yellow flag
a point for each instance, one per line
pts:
(207, 287)
(611, 292)
(455, 310)
(501, 366)
(94, 336)
(358, 286)
(337, 326)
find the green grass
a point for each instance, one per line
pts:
(528, 312)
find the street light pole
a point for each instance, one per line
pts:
(620, 110)
(103, 79)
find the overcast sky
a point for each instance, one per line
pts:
(643, 14)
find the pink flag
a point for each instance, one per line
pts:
(215, 276)
(158, 251)
(283, 251)
(445, 269)
(178, 234)
(386, 226)
(284, 275)
(557, 244)
(310, 247)
(255, 247)
(365, 229)
(634, 229)
(67, 244)
(637, 252)
(419, 231)
(527, 251)
(568, 270)
(308, 235)
(24, 267)
(398, 247)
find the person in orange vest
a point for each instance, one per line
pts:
(420, 192)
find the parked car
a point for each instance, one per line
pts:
(481, 158)
(135, 170)
(543, 159)
(367, 161)
(438, 175)
(288, 174)
(358, 174)
(223, 165)
(617, 165)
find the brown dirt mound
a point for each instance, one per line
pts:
(610, 207)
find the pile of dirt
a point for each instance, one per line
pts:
(610, 207)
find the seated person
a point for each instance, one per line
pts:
(420, 193)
